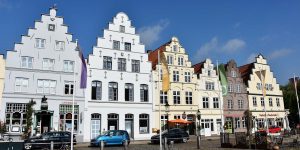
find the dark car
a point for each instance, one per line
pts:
(59, 138)
(111, 137)
(176, 135)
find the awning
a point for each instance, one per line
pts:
(180, 121)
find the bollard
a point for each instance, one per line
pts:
(171, 147)
(198, 141)
(101, 145)
(125, 145)
(165, 143)
(51, 145)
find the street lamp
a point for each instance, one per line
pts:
(183, 115)
(167, 106)
(198, 129)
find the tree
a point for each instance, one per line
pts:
(290, 101)
(29, 112)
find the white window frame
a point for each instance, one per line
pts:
(188, 97)
(277, 102)
(187, 77)
(209, 85)
(238, 88)
(69, 66)
(48, 63)
(270, 102)
(176, 97)
(205, 102)
(21, 84)
(230, 104)
(127, 46)
(46, 86)
(180, 61)
(122, 64)
(60, 45)
(116, 45)
(240, 104)
(254, 101)
(175, 76)
(262, 101)
(170, 59)
(216, 102)
(40, 43)
(26, 62)
(122, 28)
(70, 85)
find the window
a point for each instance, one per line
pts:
(127, 46)
(216, 102)
(229, 104)
(69, 86)
(170, 59)
(163, 97)
(258, 86)
(233, 74)
(107, 63)
(176, 97)
(269, 87)
(270, 102)
(144, 93)
(113, 91)
(238, 88)
(187, 77)
(254, 101)
(135, 65)
(95, 124)
(175, 48)
(51, 27)
(15, 117)
(205, 102)
(122, 29)
(68, 66)
(209, 85)
(237, 122)
(188, 97)
(240, 104)
(116, 45)
(230, 87)
(59, 45)
(177, 116)
(27, 62)
(243, 122)
(262, 101)
(164, 119)
(40, 43)
(180, 61)
(21, 84)
(48, 64)
(46, 86)
(129, 92)
(144, 123)
(176, 76)
(121, 64)
(208, 73)
(277, 102)
(65, 117)
(96, 90)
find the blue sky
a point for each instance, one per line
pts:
(220, 30)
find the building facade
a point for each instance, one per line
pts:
(182, 93)
(209, 97)
(2, 75)
(41, 68)
(254, 75)
(236, 101)
(119, 86)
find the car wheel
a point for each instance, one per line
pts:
(27, 146)
(184, 140)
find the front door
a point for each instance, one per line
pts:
(129, 127)
(95, 128)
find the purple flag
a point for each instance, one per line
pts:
(83, 77)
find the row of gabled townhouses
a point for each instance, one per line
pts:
(124, 85)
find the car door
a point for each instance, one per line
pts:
(109, 138)
(118, 137)
(171, 135)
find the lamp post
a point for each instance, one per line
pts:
(167, 106)
(198, 129)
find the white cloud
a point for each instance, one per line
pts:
(233, 45)
(151, 34)
(279, 53)
(251, 58)
(209, 46)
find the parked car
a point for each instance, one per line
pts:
(111, 137)
(176, 135)
(59, 138)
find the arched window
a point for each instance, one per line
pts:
(129, 88)
(144, 92)
(96, 90)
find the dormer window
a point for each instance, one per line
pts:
(122, 29)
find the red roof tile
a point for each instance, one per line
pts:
(198, 67)
(153, 55)
(246, 71)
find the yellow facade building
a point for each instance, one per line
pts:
(260, 79)
(181, 95)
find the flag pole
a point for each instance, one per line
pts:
(73, 101)
(158, 83)
(296, 91)
(221, 104)
(263, 93)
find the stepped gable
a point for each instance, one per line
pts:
(198, 67)
(246, 71)
(153, 55)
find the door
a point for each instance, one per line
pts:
(207, 130)
(129, 128)
(95, 128)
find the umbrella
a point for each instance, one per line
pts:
(180, 121)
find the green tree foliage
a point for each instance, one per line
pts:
(29, 112)
(290, 102)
